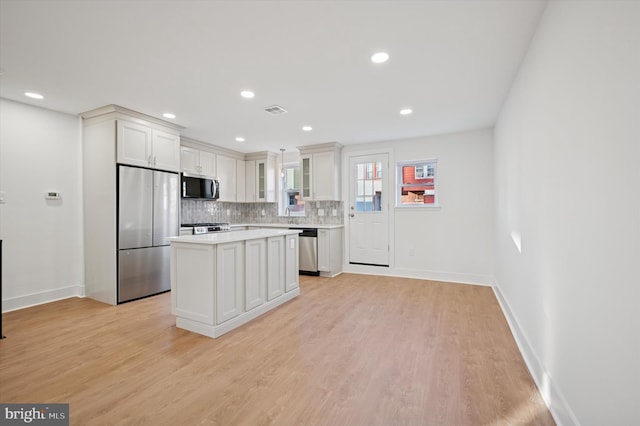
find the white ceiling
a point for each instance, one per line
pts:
(452, 62)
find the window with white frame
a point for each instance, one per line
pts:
(290, 202)
(417, 183)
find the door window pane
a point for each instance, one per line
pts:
(368, 182)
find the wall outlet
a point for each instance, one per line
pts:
(320, 212)
(334, 212)
(228, 212)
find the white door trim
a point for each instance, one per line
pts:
(356, 151)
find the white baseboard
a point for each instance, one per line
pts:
(33, 299)
(553, 397)
(451, 277)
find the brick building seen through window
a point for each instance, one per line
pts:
(417, 181)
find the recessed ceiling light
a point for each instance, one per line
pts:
(307, 128)
(168, 115)
(239, 139)
(379, 57)
(33, 95)
(247, 94)
(406, 111)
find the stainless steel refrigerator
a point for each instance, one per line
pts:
(148, 203)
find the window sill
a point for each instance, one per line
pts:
(419, 207)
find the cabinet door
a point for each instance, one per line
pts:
(324, 250)
(323, 176)
(306, 177)
(270, 180)
(275, 267)
(255, 293)
(291, 262)
(229, 280)
(261, 180)
(190, 160)
(207, 164)
(165, 149)
(226, 170)
(134, 144)
(250, 180)
(241, 193)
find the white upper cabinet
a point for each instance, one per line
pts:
(197, 162)
(190, 160)
(207, 164)
(241, 193)
(134, 144)
(320, 166)
(141, 145)
(226, 167)
(250, 180)
(165, 149)
(261, 179)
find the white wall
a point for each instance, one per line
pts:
(451, 243)
(567, 155)
(40, 150)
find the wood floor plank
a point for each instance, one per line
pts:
(350, 350)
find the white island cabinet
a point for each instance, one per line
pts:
(223, 280)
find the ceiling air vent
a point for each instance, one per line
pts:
(275, 110)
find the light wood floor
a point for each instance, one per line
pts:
(352, 350)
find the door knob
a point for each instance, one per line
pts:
(352, 215)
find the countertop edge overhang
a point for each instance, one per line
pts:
(229, 237)
(287, 225)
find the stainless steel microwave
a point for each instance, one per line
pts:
(196, 187)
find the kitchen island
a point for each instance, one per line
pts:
(222, 280)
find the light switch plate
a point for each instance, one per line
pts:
(320, 212)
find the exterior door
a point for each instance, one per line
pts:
(369, 210)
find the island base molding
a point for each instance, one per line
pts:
(218, 330)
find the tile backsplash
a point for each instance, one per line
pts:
(316, 212)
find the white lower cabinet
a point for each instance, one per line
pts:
(330, 251)
(276, 267)
(230, 278)
(219, 286)
(291, 262)
(255, 273)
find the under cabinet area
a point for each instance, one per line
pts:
(221, 281)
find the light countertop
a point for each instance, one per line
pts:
(286, 225)
(229, 236)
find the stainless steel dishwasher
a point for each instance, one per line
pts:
(308, 252)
